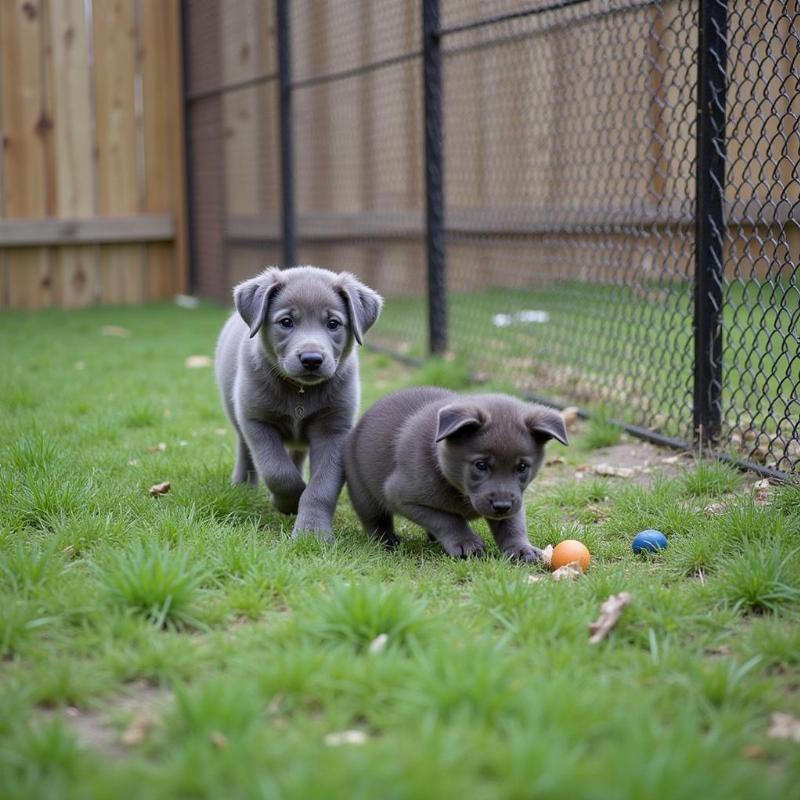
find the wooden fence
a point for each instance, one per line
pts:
(92, 205)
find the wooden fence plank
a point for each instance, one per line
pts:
(25, 135)
(154, 61)
(240, 109)
(75, 268)
(121, 266)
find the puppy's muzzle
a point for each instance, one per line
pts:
(311, 360)
(501, 507)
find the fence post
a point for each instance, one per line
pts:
(709, 219)
(434, 177)
(287, 144)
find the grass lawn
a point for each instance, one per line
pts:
(184, 646)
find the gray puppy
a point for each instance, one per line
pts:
(288, 374)
(440, 459)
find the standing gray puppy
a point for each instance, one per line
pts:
(440, 459)
(288, 375)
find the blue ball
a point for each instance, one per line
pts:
(649, 541)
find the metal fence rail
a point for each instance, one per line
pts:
(595, 202)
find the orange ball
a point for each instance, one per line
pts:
(568, 551)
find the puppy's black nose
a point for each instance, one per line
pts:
(311, 359)
(501, 506)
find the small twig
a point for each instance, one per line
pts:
(609, 615)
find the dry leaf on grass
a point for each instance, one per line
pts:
(346, 737)
(536, 578)
(378, 644)
(555, 460)
(218, 740)
(547, 555)
(610, 613)
(159, 448)
(139, 729)
(784, 726)
(569, 572)
(160, 488)
(715, 508)
(197, 362)
(115, 330)
(613, 472)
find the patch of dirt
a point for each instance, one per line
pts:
(124, 721)
(642, 458)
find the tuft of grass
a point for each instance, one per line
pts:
(155, 581)
(358, 613)
(17, 623)
(449, 373)
(763, 577)
(29, 565)
(600, 431)
(712, 479)
(142, 415)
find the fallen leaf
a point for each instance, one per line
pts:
(218, 740)
(197, 362)
(568, 572)
(159, 488)
(753, 751)
(186, 301)
(536, 578)
(715, 508)
(115, 330)
(346, 737)
(555, 460)
(671, 460)
(610, 613)
(159, 448)
(570, 416)
(139, 728)
(613, 472)
(378, 644)
(784, 726)
(547, 555)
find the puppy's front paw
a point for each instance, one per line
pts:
(310, 527)
(522, 551)
(472, 547)
(286, 503)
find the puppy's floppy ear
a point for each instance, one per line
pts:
(252, 297)
(545, 424)
(363, 305)
(458, 417)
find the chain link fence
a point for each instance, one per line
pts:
(591, 202)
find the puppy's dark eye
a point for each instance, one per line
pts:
(334, 324)
(286, 322)
(481, 466)
(522, 467)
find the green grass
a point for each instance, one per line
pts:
(245, 650)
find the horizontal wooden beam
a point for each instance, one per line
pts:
(262, 229)
(92, 230)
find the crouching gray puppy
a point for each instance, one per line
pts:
(441, 459)
(288, 374)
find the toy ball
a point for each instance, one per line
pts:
(649, 541)
(569, 551)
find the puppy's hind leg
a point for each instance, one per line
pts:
(378, 523)
(244, 470)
